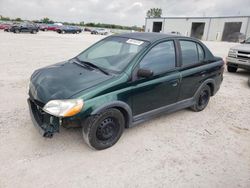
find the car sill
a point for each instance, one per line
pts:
(162, 110)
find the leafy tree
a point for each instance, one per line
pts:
(5, 18)
(18, 19)
(46, 20)
(90, 24)
(154, 13)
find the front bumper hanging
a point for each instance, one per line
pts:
(46, 124)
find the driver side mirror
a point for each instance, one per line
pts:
(145, 73)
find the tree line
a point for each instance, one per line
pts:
(49, 21)
(151, 13)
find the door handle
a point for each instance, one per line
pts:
(203, 73)
(174, 83)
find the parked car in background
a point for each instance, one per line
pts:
(236, 37)
(87, 29)
(7, 28)
(53, 27)
(100, 32)
(69, 29)
(4, 26)
(43, 27)
(239, 57)
(121, 81)
(24, 27)
(174, 33)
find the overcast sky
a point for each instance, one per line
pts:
(124, 12)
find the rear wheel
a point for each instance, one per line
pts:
(16, 31)
(202, 99)
(33, 31)
(104, 130)
(231, 69)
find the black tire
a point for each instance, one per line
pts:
(202, 99)
(16, 31)
(33, 31)
(104, 130)
(231, 69)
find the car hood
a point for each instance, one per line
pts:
(63, 80)
(243, 47)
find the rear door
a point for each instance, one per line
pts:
(162, 88)
(194, 70)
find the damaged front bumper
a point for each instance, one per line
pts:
(46, 124)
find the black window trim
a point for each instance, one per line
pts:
(202, 61)
(137, 66)
(180, 54)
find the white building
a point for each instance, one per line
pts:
(204, 28)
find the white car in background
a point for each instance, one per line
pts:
(239, 57)
(100, 32)
(174, 33)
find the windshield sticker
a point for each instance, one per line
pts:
(135, 42)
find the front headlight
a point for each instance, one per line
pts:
(64, 108)
(232, 53)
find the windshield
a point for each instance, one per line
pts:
(248, 40)
(112, 53)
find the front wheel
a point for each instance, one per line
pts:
(231, 69)
(202, 99)
(16, 31)
(103, 130)
(33, 31)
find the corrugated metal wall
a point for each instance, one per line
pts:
(213, 29)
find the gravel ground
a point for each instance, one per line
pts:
(183, 149)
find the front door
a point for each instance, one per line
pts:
(24, 28)
(162, 88)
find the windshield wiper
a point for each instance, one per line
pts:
(91, 65)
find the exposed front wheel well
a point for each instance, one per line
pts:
(125, 115)
(122, 107)
(211, 86)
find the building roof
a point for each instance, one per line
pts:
(201, 17)
(150, 37)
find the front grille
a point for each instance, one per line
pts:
(37, 112)
(38, 103)
(243, 55)
(242, 52)
(49, 124)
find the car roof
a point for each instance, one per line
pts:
(150, 37)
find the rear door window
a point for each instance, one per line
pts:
(200, 52)
(192, 53)
(189, 53)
